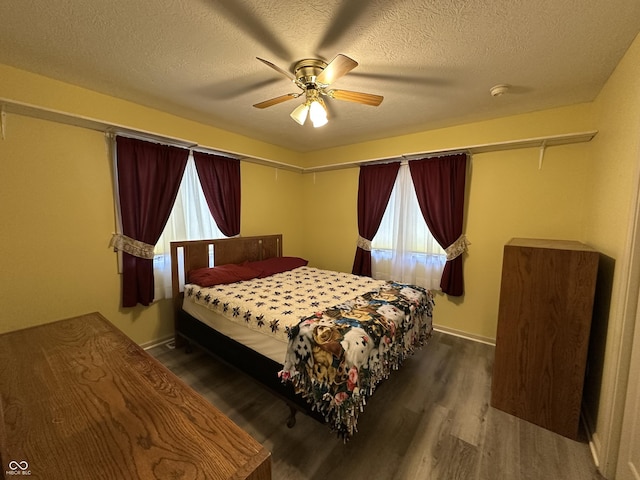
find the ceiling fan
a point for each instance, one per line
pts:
(314, 77)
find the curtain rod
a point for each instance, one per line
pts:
(404, 159)
(150, 138)
(43, 113)
(194, 147)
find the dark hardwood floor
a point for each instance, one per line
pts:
(430, 420)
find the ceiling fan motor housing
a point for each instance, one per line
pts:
(307, 70)
(313, 76)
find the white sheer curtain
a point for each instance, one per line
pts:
(404, 250)
(190, 219)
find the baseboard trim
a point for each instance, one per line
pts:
(468, 336)
(592, 436)
(156, 343)
(594, 450)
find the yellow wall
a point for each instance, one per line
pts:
(508, 196)
(611, 202)
(27, 88)
(271, 203)
(330, 221)
(57, 209)
(56, 206)
(576, 118)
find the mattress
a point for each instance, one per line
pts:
(267, 345)
(259, 313)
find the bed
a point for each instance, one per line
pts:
(320, 340)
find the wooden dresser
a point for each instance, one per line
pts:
(80, 400)
(544, 320)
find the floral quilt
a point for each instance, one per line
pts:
(337, 357)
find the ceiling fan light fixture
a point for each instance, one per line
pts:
(299, 114)
(318, 113)
(313, 77)
(320, 123)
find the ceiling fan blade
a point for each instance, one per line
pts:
(276, 100)
(253, 25)
(357, 97)
(344, 19)
(337, 67)
(236, 87)
(289, 75)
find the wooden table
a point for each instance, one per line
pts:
(80, 400)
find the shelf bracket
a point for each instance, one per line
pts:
(3, 122)
(543, 147)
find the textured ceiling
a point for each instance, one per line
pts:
(433, 61)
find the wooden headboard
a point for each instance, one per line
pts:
(195, 253)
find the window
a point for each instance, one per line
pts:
(190, 219)
(403, 249)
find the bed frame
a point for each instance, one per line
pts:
(189, 331)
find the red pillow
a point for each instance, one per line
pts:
(222, 274)
(274, 265)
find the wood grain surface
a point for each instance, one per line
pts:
(430, 420)
(81, 400)
(544, 321)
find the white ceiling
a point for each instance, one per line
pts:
(433, 61)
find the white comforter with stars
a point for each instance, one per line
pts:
(274, 304)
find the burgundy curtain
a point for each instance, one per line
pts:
(375, 185)
(220, 180)
(440, 187)
(149, 176)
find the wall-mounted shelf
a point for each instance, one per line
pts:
(535, 142)
(20, 108)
